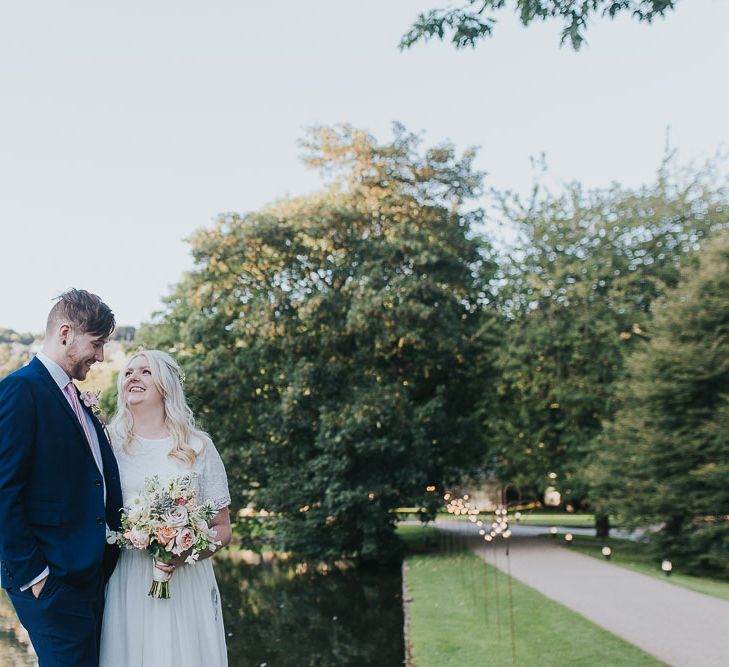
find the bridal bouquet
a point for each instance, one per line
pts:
(166, 520)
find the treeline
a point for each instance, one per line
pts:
(15, 350)
(11, 336)
(351, 349)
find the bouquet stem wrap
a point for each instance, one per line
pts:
(160, 583)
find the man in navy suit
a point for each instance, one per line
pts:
(59, 488)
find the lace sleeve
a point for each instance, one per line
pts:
(213, 480)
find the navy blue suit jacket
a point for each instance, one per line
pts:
(52, 510)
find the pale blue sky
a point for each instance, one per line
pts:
(125, 126)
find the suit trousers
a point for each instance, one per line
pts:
(64, 622)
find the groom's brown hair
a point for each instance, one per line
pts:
(86, 312)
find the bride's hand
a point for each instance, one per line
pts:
(180, 560)
(167, 568)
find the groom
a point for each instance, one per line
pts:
(59, 488)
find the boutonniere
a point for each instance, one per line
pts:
(91, 400)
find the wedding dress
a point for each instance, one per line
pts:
(187, 629)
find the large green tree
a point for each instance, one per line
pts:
(327, 341)
(664, 461)
(475, 20)
(576, 296)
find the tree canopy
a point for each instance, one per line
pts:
(664, 459)
(327, 341)
(475, 20)
(576, 295)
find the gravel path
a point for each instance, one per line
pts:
(674, 624)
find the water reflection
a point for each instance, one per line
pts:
(276, 617)
(15, 649)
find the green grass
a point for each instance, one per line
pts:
(418, 539)
(557, 519)
(565, 519)
(462, 612)
(636, 556)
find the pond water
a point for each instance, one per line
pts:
(278, 615)
(14, 650)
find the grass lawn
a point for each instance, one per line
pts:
(636, 556)
(566, 519)
(465, 613)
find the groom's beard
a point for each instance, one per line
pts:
(78, 366)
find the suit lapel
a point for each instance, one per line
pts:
(101, 433)
(108, 460)
(56, 392)
(110, 472)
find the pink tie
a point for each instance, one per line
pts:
(73, 395)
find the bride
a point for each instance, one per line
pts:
(154, 433)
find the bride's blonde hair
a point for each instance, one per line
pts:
(179, 420)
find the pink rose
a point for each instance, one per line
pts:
(138, 538)
(90, 399)
(180, 501)
(185, 539)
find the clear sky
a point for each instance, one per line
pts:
(126, 126)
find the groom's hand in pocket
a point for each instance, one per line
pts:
(38, 587)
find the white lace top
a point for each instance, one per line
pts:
(147, 458)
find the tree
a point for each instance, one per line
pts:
(665, 458)
(11, 359)
(15, 350)
(577, 294)
(124, 333)
(11, 336)
(327, 341)
(475, 19)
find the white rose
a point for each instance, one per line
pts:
(176, 517)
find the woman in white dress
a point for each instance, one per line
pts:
(154, 433)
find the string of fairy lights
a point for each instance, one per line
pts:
(491, 526)
(498, 527)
